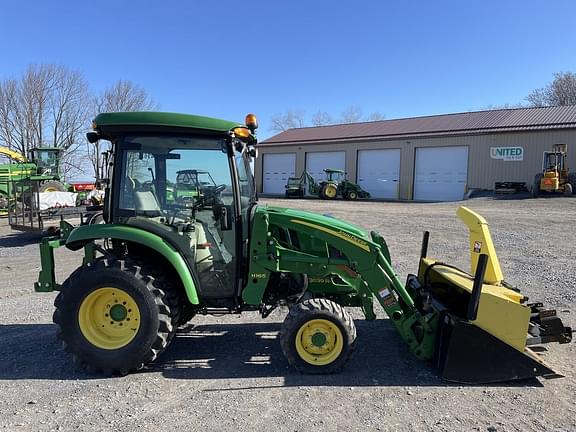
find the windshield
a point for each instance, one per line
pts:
(47, 161)
(159, 175)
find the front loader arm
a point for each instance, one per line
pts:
(362, 262)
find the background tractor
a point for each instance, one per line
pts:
(555, 176)
(43, 166)
(335, 185)
(193, 185)
(155, 263)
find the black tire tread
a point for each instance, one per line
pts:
(308, 309)
(572, 181)
(165, 297)
(52, 183)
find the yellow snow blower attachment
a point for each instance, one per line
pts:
(485, 326)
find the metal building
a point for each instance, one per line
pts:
(434, 158)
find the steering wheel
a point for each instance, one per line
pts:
(214, 192)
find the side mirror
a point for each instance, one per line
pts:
(253, 152)
(92, 137)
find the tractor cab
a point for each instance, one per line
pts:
(334, 175)
(202, 215)
(554, 161)
(47, 159)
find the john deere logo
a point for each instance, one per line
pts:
(507, 153)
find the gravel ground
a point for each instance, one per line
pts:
(228, 373)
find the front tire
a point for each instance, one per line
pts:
(318, 336)
(116, 315)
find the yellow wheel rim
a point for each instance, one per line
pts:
(319, 342)
(109, 318)
(330, 191)
(50, 189)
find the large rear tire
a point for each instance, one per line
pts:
(572, 181)
(318, 336)
(329, 191)
(52, 186)
(116, 315)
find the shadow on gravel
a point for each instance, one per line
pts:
(19, 239)
(231, 351)
(31, 351)
(227, 351)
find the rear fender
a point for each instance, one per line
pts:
(81, 236)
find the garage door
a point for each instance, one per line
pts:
(441, 173)
(379, 172)
(275, 172)
(317, 161)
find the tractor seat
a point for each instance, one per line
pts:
(146, 204)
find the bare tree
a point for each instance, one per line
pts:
(296, 118)
(122, 96)
(289, 120)
(375, 116)
(8, 101)
(561, 91)
(352, 114)
(47, 106)
(69, 111)
(321, 118)
(493, 107)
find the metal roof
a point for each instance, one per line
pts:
(503, 120)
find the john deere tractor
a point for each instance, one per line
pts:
(157, 263)
(192, 185)
(335, 185)
(42, 166)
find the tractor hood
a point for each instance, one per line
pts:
(317, 219)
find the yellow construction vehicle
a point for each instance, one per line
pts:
(555, 176)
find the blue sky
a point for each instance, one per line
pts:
(225, 59)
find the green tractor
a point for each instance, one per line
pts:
(42, 166)
(335, 185)
(193, 185)
(156, 263)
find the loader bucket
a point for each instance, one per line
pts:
(485, 327)
(467, 354)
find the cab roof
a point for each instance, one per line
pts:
(121, 121)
